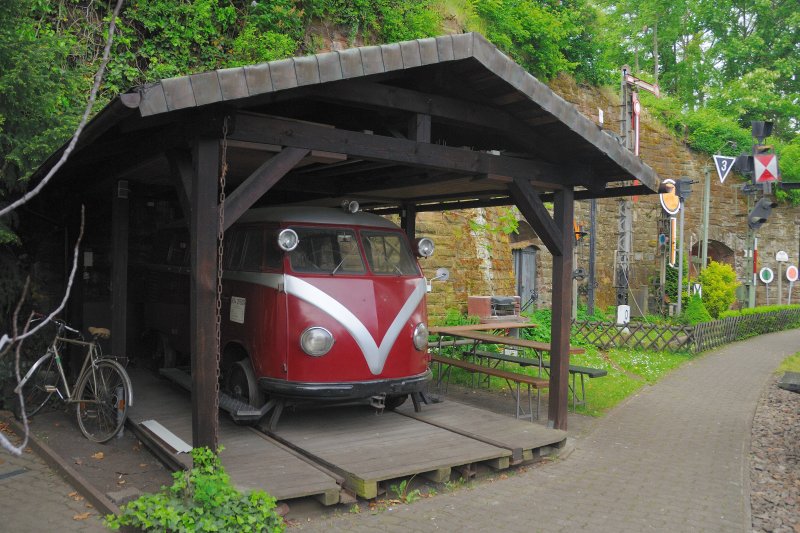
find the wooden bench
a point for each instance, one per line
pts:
(531, 382)
(544, 364)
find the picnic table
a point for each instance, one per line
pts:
(472, 335)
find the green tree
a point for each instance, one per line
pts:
(719, 287)
(42, 93)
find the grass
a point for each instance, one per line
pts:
(628, 371)
(790, 364)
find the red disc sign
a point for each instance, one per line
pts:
(791, 273)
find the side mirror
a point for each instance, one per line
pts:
(442, 274)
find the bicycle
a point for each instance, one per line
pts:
(102, 391)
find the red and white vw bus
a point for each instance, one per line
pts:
(322, 304)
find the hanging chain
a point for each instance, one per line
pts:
(220, 239)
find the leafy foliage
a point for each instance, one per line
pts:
(42, 92)
(719, 287)
(671, 281)
(695, 311)
(201, 499)
(545, 37)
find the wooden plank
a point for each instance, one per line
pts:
(505, 340)
(534, 382)
(252, 459)
(509, 324)
(286, 132)
(498, 430)
(367, 448)
(564, 212)
(203, 342)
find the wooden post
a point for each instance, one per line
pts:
(408, 221)
(120, 209)
(203, 227)
(564, 212)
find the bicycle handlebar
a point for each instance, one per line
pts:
(62, 325)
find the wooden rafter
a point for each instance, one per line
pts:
(261, 181)
(534, 211)
(274, 130)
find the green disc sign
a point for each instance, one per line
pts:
(766, 275)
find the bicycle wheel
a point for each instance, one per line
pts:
(35, 391)
(102, 400)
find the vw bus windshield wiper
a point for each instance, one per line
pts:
(338, 266)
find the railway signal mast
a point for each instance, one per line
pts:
(629, 128)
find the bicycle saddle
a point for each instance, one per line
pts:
(102, 333)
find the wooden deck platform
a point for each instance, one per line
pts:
(524, 440)
(253, 460)
(368, 447)
(319, 451)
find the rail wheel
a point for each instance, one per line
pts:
(242, 385)
(393, 401)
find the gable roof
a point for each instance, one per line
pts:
(466, 69)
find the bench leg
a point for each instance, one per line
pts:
(530, 404)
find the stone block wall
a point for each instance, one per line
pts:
(481, 261)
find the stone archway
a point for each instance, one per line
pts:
(717, 251)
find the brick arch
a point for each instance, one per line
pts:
(717, 251)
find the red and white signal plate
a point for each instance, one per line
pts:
(766, 168)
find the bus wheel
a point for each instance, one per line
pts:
(241, 384)
(394, 401)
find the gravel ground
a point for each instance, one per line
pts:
(775, 462)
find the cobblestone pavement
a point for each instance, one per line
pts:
(672, 458)
(34, 498)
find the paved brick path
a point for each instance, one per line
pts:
(672, 458)
(34, 498)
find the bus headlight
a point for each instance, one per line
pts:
(420, 337)
(316, 341)
(287, 240)
(424, 247)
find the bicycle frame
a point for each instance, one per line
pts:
(89, 361)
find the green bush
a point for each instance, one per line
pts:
(695, 312)
(201, 499)
(719, 287)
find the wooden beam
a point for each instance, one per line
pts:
(120, 223)
(564, 213)
(274, 130)
(203, 341)
(447, 109)
(534, 211)
(408, 221)
(419, 128)
(180, 164)
(261, 181)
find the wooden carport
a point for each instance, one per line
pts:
(425, 125)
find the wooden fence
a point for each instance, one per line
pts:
(695, 339)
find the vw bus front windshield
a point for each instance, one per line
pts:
(388, 253)
(326, 251)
